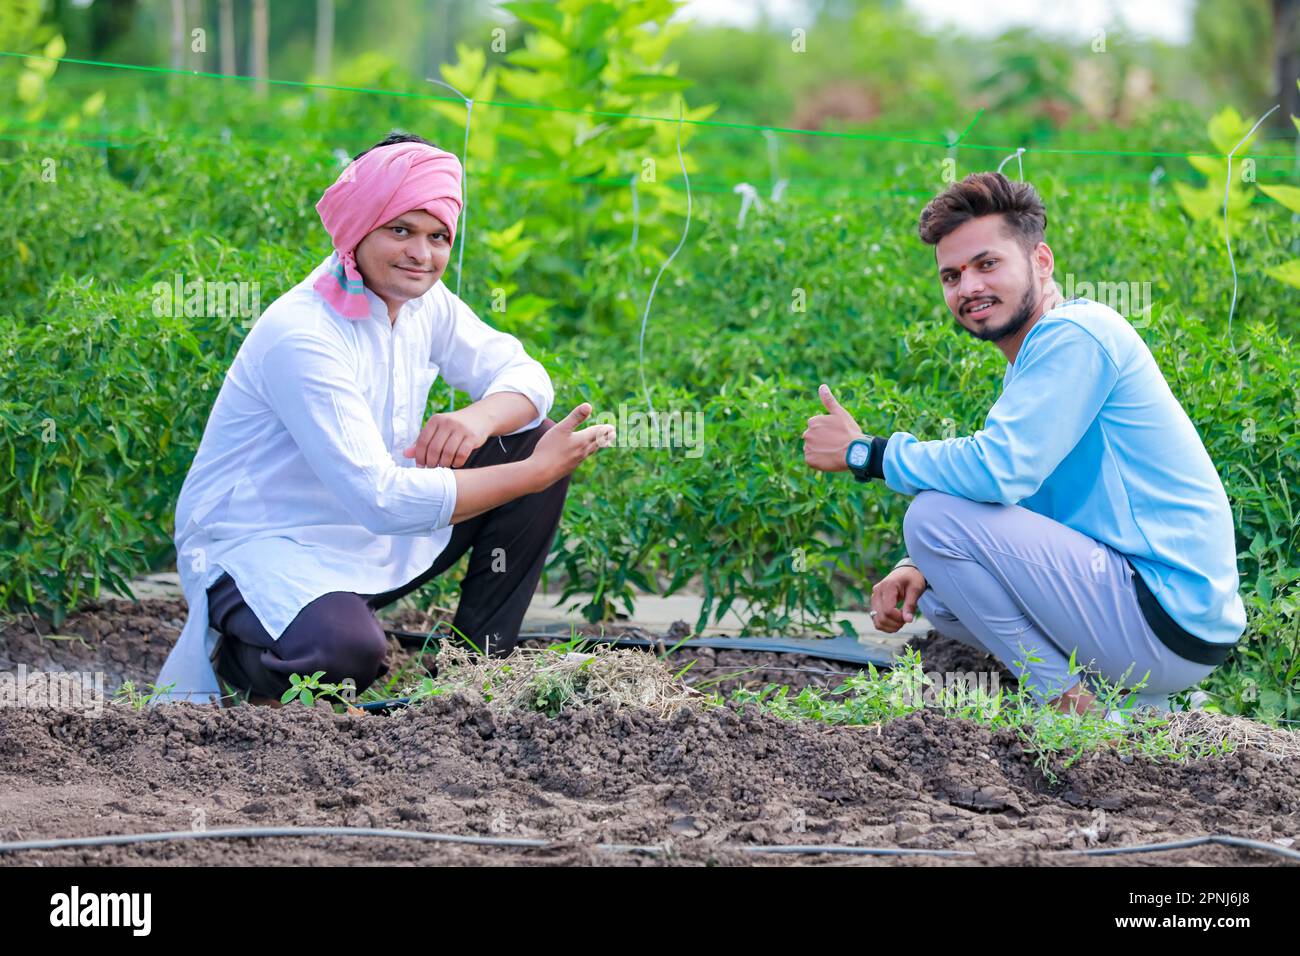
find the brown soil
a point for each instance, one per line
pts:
(702, 781)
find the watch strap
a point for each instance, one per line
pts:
(876, 463)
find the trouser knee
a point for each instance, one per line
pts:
(359, 654)
(922, 519)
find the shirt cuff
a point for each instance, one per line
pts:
(448, 498)
(540, 401)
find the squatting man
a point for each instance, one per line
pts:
(1086, 516)
(316, 496)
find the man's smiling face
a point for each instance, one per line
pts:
(988, 279)
(404, 257)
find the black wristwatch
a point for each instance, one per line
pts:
(865, 457)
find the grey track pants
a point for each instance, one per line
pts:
(1024, 588)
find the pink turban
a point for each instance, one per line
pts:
(380, 186)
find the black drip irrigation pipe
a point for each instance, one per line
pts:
(383, 706)
(843, 649)
(652, 849)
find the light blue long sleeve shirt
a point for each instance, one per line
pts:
(1087, 432)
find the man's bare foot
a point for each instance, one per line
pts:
(260, 701)
(1077, 700)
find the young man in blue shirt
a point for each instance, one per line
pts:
(1086, 515)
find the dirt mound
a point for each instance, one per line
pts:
(702, 781)
(124, 639)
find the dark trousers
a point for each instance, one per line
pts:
(338, 633)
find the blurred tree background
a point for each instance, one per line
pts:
(884, 66)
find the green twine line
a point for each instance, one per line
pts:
(717, 124)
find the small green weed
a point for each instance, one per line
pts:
(139, 699)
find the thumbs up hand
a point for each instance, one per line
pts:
(828, 436)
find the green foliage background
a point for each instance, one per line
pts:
(155, 175)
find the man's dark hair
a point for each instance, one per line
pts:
(390, 139)
(984, 194)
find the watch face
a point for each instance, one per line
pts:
(858, 453)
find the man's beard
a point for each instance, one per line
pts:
(1017, 322)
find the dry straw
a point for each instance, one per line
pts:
(551, 681)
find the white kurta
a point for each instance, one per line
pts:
(299, 486)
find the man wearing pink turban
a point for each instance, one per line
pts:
(382, 184)
(316, 496)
